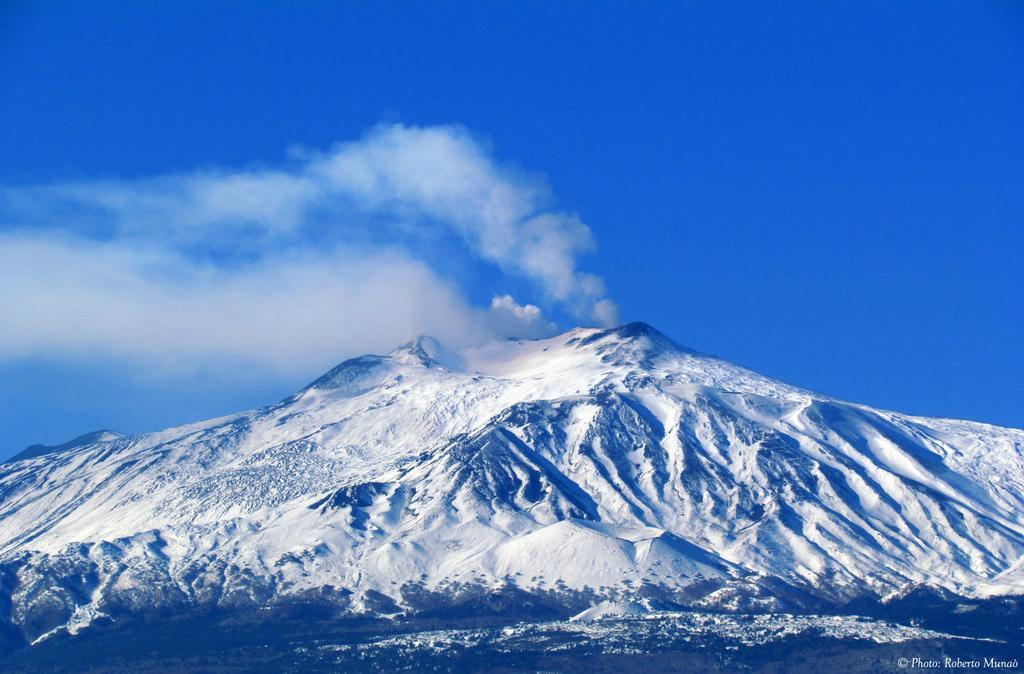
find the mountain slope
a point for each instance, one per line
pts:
(32, 451)
(599, 464)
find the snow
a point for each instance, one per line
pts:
(628, 628)
(593, 459)
(609, 609)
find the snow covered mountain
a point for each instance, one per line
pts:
(596, 465)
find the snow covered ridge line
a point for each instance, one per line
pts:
(595, 465)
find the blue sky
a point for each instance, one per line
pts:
(203, 206)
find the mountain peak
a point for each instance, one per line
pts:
(429, 352)
(637, 329)
(362, 373)
(637, 333)
(32, 451)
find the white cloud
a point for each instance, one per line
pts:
(69, 297)
(110, 266)
(442, 173)
(606, 312)
(507, 303)
(521, 320)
